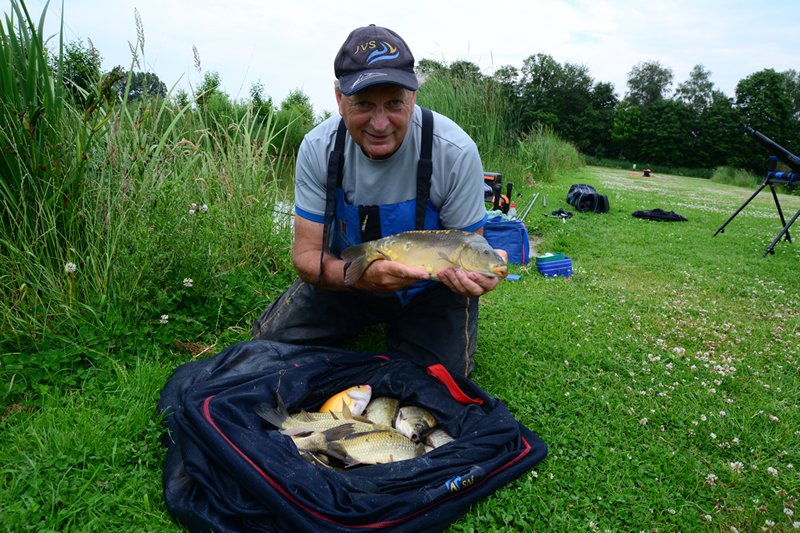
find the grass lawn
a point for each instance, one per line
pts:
(663, 375)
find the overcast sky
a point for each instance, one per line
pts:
(290, 44)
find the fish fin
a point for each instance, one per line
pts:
(338, 432)
(355, 269)
(271, 414)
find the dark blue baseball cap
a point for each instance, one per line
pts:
(372, 55)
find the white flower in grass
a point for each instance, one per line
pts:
(191, 211)
(164, 319)
(194, 205)
(70, 267)
(734, 530)
(711, 479)
(796, 525)
(772, 471)
(643, 422)
(769, 523)
(706, 517)
(203, 208)
(188, 282)
(713, 436)
(788, 512)
(773, 418)
(736, 466)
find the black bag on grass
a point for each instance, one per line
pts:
(586, 198)
(228, 470)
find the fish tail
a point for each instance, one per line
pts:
(270, 414)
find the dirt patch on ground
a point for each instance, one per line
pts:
(534, 241)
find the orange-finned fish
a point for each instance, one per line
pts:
(355, 398)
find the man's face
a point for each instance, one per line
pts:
(377, 118)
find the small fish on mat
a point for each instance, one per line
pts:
(414, 422)
(437, 437)
(382, 410)
(433, 250)
(355, 399)
(372, 447)
(304, 422)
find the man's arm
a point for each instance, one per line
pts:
(380, 276)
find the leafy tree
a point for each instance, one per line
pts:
(697, 90)
(667, 133)
(295, 118)
(466, 70)
(719, 136)
(79, 70)
(626, 130)
(262, 109)
(765, 104)
(141, 85)
(208, 89)
(429, 66)
(597, 120)
(648, 82)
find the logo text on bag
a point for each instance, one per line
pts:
(457, 483)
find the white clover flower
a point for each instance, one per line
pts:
(194, 205)
(188, 282)
(706, 517)
(713, 436)
(643, 421)
(772, 471)
(703, 418)
(723, 413)
(70, 267)
(788, 512)
(711, 479)
(769, 523)
(191, 211)
(164, 319)
(204, 208)
(736, 466)
(773, 418)
(796, 525)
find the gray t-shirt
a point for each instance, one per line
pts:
(456, 181)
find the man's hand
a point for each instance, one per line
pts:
(469, 283)
(388, 276)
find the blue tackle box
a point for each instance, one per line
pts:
(554, 264)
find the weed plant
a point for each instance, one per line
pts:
(545, 154)
(477, 105)
(123, 215)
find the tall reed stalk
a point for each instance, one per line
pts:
(478, 106)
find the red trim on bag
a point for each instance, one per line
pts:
(388, 523)
(440, 372)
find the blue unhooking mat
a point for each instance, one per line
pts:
(229, 470)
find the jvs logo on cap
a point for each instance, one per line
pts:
(385, 52)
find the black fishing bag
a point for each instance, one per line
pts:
(228, 470)
(586, 198)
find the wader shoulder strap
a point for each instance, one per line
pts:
(424, 167)
(335, 168)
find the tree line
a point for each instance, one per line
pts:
(691, 125)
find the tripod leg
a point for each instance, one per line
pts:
(771, 248)
(780, 213)
(721, 229)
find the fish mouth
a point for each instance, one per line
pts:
(500, 271)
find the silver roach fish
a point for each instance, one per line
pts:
(433, 250)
